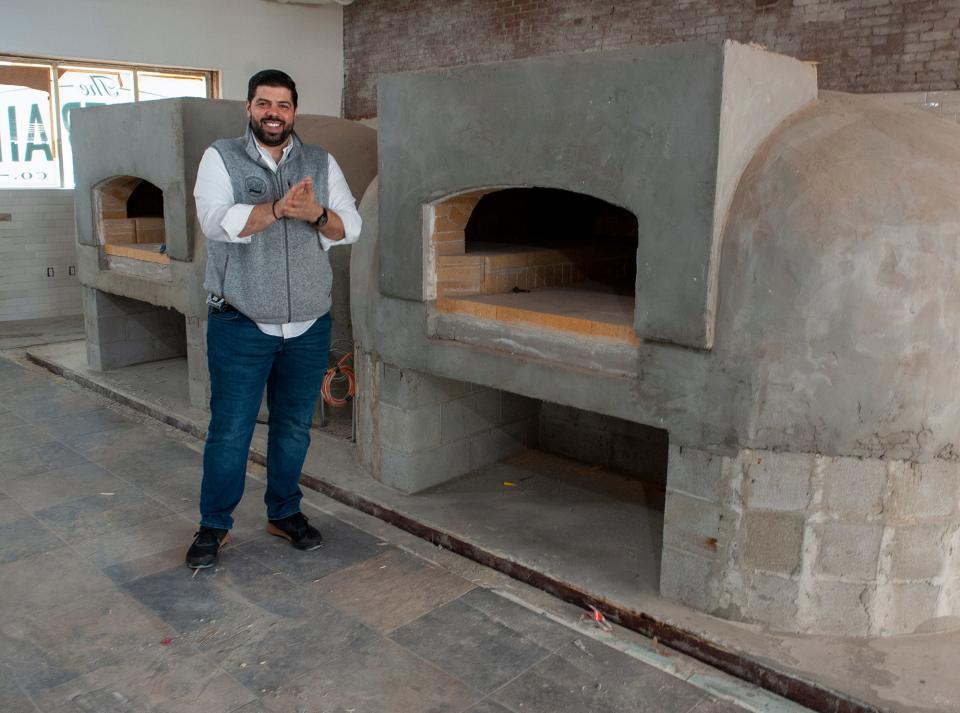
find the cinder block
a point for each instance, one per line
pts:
(413, 472)
(911, 606)
(156, 324)
(772, 541)
(576, 440)
(691, 524)
(514, 407)
(924, 491)
(559, 413)
(919, 552)
(91, 328)
(849, 550)
(195, 331)
(105, 304)
(695, 472)
(951, 595)
(642, 453)
(199, 393)
(685, 578)
(777, 481)
(170, 347)
(644, 460)
(111, 329)
(411, 389)
(196, 363)
(472, 414)
(772, 600)
(118, 354)
(498, 443)
(841, 608)
(94, 357)
(854, 487)
(410, 430)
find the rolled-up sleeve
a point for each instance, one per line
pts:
(341, 201)
(220, 217)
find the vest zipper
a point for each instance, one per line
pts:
(286, 247)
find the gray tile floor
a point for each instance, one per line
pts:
(100, 615)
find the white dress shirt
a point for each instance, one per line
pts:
(223, 219)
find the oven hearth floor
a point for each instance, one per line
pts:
(561, 517)
(582, 309)
(908, 673)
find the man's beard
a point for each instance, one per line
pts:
(268, 140)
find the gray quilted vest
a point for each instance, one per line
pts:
(283, 273)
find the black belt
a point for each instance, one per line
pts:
(222, 306)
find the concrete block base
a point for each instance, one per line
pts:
(417, 430)
(122, 331)
(810, 544)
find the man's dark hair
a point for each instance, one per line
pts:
(271, 78)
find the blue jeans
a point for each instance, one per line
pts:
(242, 360)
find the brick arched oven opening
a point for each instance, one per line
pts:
(545, 257)
(130, 223)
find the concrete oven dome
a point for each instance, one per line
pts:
(839, 313)
(839, 283)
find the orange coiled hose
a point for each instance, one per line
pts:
(340, 374)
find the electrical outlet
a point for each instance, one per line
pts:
(72, 270)
(49, 272)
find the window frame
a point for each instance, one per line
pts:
(212, 76)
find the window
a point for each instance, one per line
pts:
(37, 96)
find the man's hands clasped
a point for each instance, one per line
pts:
(299, 202)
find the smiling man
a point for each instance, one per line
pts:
(271, 207)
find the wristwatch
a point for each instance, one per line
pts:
(322, 220)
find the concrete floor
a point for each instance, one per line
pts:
(912, 673)
(564, 515)
(25, 333)
(97, 505)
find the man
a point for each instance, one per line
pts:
(270, 207)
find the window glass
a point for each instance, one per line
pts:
(37, 96)
(85, 86)
(158, 85)
(28, 141)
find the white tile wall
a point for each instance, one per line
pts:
(39, 234)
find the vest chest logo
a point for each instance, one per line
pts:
(255, 186)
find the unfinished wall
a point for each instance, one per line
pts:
(860, 45)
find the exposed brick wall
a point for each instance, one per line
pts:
(861, 45)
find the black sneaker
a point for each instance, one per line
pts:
(298, 530)
(206, 546)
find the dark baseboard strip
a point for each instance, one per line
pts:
(789, 686)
